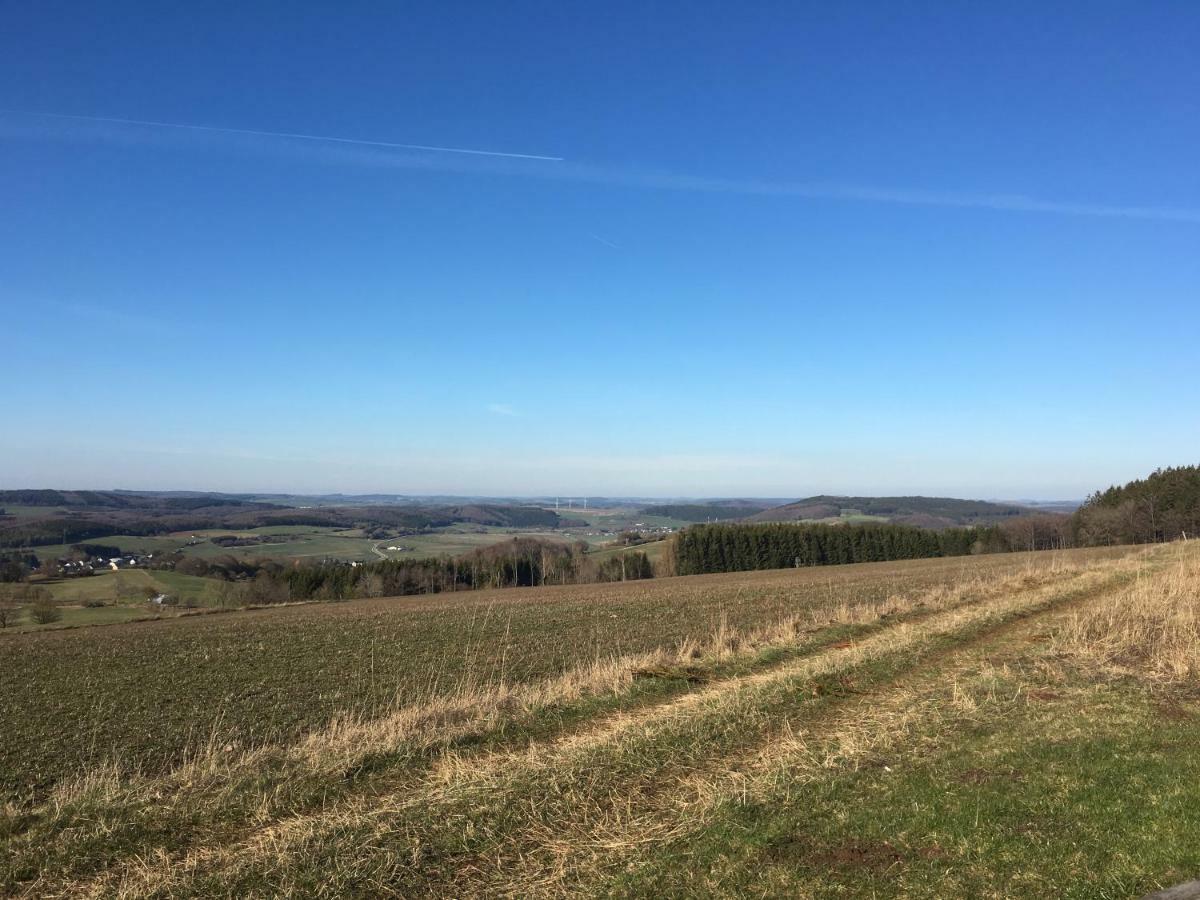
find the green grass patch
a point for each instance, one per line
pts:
(1072, 788)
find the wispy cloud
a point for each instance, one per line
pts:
(501, 409)
(347, 151)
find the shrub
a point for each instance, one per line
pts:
(44, 611)
(9, 613)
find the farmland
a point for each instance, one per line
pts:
(351, 544)
(931, 727)
(300, 542)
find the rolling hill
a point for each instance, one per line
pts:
(926, 512)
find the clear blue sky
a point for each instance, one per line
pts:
(787, 248)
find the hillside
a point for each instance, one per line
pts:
(926, 512)
(54, 517)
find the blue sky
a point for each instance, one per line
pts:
(782, 250)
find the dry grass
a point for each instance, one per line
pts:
(1152, 628)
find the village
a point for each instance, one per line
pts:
(93, 565)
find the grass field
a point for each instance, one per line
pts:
(123, 594)
(993, 726)
(456, 541)
(652, 549)
(131, 585)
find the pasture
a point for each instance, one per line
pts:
(969, 726)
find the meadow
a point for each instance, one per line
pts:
(1011, 725)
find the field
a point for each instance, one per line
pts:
(131, 586)
(457, 541)
(1009, 725)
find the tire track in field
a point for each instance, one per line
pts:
(641, 751)
(671, 815)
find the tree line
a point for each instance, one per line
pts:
(703, 549)
(521, 562)
(1163, 506)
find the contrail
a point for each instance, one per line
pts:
(492, 162)
(596, 237)
(285, 134)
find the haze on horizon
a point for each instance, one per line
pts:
(783, 251)
(613, 477)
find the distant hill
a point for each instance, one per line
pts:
(926, 512)
(709, 511)
(1051, 506)
(110, 500)
(64, 498)
(56, 516)
(505, 516)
